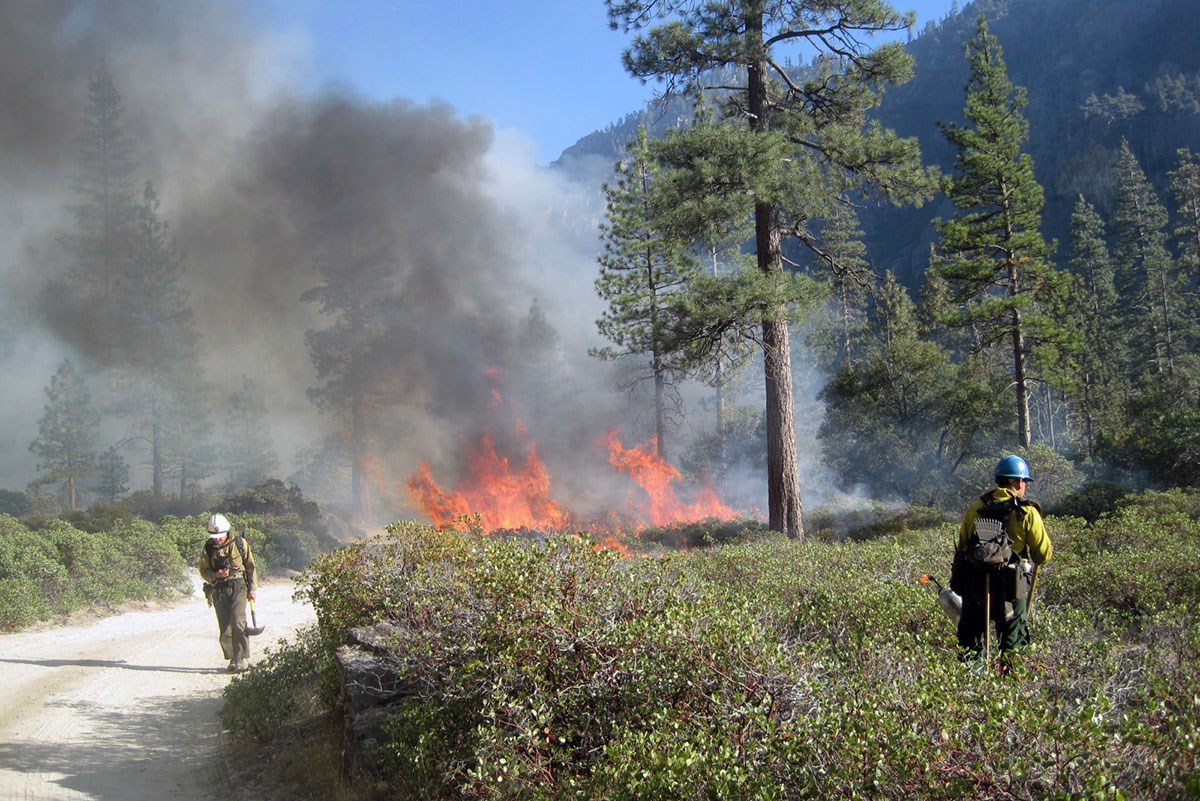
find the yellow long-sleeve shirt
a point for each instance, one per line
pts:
(1026, 528)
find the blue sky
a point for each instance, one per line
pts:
(550, 69)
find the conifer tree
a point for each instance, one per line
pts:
(158, 348)
(1091, 365)
(992, 254)
(641, 267)
(1147, 277)
(103, 216)
(160, 336)
(357, 292)
(781, 140)
(112, 476)
(1185, 189)
(248, 452)
(189, 452)
(539, 377)
(67, 434)
(838, 337)
(900, 420)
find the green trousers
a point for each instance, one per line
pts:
(229, 602)
(1012, 627)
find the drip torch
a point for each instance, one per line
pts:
(949, 600)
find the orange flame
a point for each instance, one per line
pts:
(502, 496)
(654, 475)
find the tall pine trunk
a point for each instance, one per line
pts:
(783, 473)
(660, 386)
(660, 409)
(1021, 383)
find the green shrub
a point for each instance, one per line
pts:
(291, 526)
(273, 498)
(1090, 501)
(32, 581)
(704, 533)
(867, 521)
(160, 567)
(285, 684)
(101, 517)
(187, 534)
(546, 668)
(148, 506)
(296, 548)
(56, 568)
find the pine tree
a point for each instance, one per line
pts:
(112, 476)
(539, 378)
(893, 316)
(189, 452)
(899, 420)
(358, 294)
(641, 267)
(1147, 277)
(248, 454)
(1185, 189)
(160, 329)
(157, 350)
(777, 152)
(1091, 365)
(838, 338)
(67, 434)
(98, 242)
(992, 254)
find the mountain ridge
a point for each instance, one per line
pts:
(1116, 50)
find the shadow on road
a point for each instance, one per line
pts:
(110, 663)
(134, 754)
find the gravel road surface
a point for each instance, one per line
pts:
(124, 708)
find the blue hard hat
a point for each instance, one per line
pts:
(1012, 467)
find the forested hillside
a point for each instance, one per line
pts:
(1097, 71)
(1057, 256)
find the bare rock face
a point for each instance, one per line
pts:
(372, 685)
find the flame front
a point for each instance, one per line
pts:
(654, 475)
(504, 497)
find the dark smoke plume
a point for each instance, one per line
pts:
(268, 189)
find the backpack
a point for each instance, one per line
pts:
(240, 542)
(989, 547)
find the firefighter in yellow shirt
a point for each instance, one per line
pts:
(1022, 541)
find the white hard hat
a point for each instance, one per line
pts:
(218, 526)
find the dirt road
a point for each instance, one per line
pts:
(124, 708)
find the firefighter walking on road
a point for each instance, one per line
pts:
(1002, 538)
(227, 566)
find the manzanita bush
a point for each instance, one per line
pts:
(49, 566)
(551, 668)
(56, 568)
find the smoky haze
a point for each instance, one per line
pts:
(271, 192)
